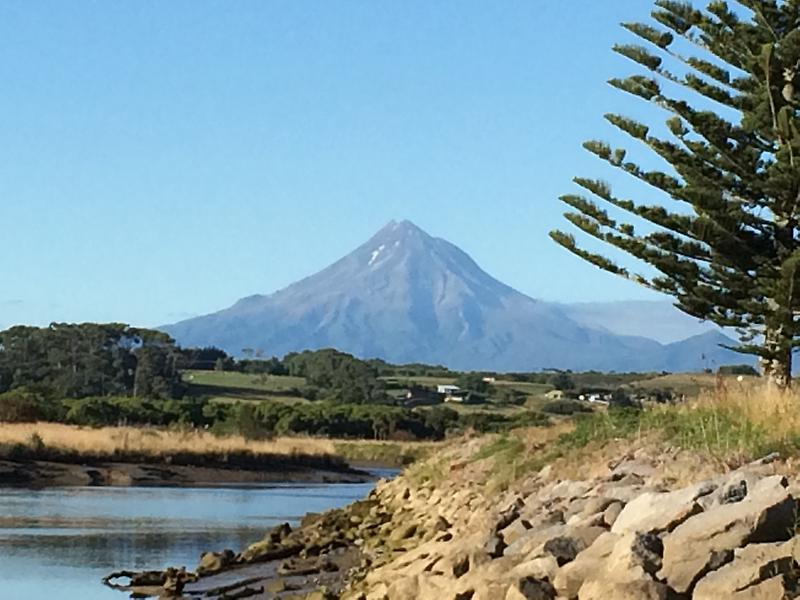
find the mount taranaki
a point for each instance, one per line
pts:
(405, 296)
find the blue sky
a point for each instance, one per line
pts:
(163, 159)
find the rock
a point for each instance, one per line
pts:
(566, 490)
(267, 550)
(535, 537)
(626, 573)
(515, 531)
(751, 565)
(563, 549)
(279, 532)
(656, 512)
(321, 594)
(174, 582)
(640, 468)
(611, 513)
(509, 515)
(403, 532)
(460, 566)
(545, 567)
(622, 493)
(571, 576)
(638, 589)
(765, 515)
(405, 587)
(632, 552)
(734, 486)
(531, 588)
(495, 546)
(734, 493)
(769, 589)
(214, 562)
(597, 504)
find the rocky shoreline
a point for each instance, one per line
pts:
(40, 473)
(656, 523)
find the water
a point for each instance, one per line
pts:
(59, 542)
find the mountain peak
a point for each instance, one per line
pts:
(399, 229)
(406, 296)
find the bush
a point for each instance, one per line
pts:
(493, 423)
(565, 407)
(738, 370)
(505, 395)
(22, 406)
(114, 410)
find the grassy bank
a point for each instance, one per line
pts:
(70, 443)
(728, 427)
(388, 454)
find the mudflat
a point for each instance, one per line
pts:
(40, 473)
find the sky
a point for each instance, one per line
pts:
(161, 160)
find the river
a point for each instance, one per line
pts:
(59, 542)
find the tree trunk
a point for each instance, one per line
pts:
(777, 367)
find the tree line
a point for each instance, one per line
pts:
(77, 361)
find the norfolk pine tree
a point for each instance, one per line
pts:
(722, 238)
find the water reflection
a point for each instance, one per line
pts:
(59, 542)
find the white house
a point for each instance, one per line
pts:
(447, 390)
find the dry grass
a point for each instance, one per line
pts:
(67, 443)
(772, 411)
(153, 442)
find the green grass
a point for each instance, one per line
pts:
(421, 380)
(531, 389)
(510, 461)
(227, 379)
(395, 454)
(229, 387)
(232, 399)
(504, 447)
(722, 434)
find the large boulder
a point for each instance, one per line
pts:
(707, 540)
(654, 512)
(571, 576)
(642, 588)
(565, 548)
(626, 572)
(214, 562)
(544, 567)
(530, 588)
(752, 566)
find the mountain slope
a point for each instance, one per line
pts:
(408, 297)
(659, 319)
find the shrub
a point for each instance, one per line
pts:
(565, 407)
(22, 406)
(738, 370)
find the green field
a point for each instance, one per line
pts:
(531, 389)
(226, 386)
(421, 380)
